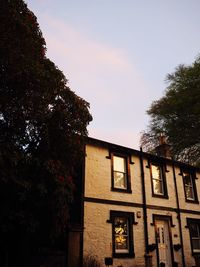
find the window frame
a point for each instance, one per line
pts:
(129, 216)
(163, 180)
(193, 178)
(127, 172)
(196, 222)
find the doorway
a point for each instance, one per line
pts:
(163, 239)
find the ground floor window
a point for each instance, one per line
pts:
(194, 228)
(122, 233)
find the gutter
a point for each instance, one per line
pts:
(179, 216)
(144, 205)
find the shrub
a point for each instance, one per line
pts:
(91, 261)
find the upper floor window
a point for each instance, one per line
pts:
(189, 185)
(194, 228)
(120, 173)
(159, 187)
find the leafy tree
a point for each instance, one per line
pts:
(42, 129)
(177, 114)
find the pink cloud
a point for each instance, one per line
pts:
(104, 76)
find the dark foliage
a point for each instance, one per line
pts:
(42, 129)
(177, 114)
(91, 261)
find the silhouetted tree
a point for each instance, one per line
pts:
(42, 129)
(177, 114)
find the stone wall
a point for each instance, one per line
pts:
(100, 199)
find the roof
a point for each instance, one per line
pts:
(139, 153)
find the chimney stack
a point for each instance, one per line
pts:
(163, 149)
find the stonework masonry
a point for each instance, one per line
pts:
(167, 213)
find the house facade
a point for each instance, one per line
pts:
(139, 209)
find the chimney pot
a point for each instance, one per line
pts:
(163, 149)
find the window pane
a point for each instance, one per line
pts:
(157, 179)
(157, 187)
(156, 174)
(188, 185)
(121, 244)
(121, 235)
(189, 192)
(196, 244)
(195, 236)
(187, 179)
(120, 176)
(119, 180)
(119, 164)
(194, 230)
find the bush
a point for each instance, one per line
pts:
(91, 261)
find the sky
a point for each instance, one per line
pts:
(116, 55)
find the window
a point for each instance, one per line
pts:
(194, 228)
(120, 173)
(158, 180)
(189, 185)
(122, 233)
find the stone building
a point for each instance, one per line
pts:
(137, 209)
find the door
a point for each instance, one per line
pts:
(163, 242)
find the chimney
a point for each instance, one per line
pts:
(163, 149)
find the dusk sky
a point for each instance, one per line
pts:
(116, 55)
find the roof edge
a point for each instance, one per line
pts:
(113, 146)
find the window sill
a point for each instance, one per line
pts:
(196, 254)
(160, 196)
(124, 255)
(192, 201)
(129, 191)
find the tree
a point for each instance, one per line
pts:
(177, 114)
(43, 125)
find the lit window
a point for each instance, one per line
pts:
(122, 233)
(119, 172)
(189, 186)
(158, 180)
(121, 180)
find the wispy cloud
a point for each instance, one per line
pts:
(67, 41)
(103, 75)
(106, 74)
